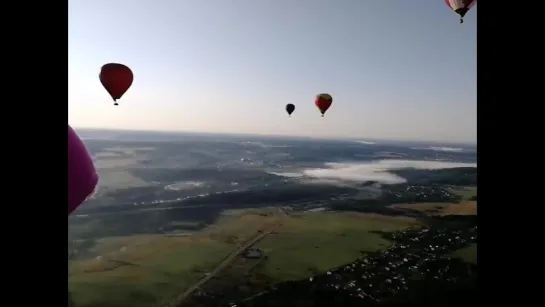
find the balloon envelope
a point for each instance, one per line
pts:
(82, 176)
(290, 108)
(461, 7)
(323, 102)
(116, 79)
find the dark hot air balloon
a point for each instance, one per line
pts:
(116, 79)
(323, 102)
(461, 7)
(290, 107)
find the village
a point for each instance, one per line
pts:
(418, 256)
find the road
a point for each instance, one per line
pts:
(225, 263)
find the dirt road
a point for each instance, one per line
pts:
(225, 263)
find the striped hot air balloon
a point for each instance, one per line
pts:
(461, 7)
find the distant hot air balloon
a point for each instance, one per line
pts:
(82, 176)
(116, 79)
(461, 7)
(323, 102)
(290, 107)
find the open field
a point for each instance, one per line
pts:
(152, 270)
(305, 244)
(468, 254)
(146, 272)
(466, 192)
(308, 243)
(464, 207)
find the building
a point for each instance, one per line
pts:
(252, 253)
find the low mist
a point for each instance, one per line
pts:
(377, 170)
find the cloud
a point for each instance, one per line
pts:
(376, 170)
(445, 149)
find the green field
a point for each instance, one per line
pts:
(468, 254)
(315, 242)
(150, 270)
(466, 192)
(144, 274)
(464, 207)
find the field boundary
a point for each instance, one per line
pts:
(225, 263)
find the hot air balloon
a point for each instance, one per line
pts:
(82, 177)
(290, 107)
(323, 102)
(461, 7)
(116, 79)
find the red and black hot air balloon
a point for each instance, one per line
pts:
(461, 7)
(290, 107)
(323, 102)
(116, 79)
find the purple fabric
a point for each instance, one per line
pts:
(82, 176)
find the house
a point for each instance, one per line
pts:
(252, 253)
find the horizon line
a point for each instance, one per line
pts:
(355, 139)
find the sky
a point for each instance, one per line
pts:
(400, 70)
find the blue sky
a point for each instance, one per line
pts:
(399, 69)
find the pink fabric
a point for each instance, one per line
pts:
(82, 176)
